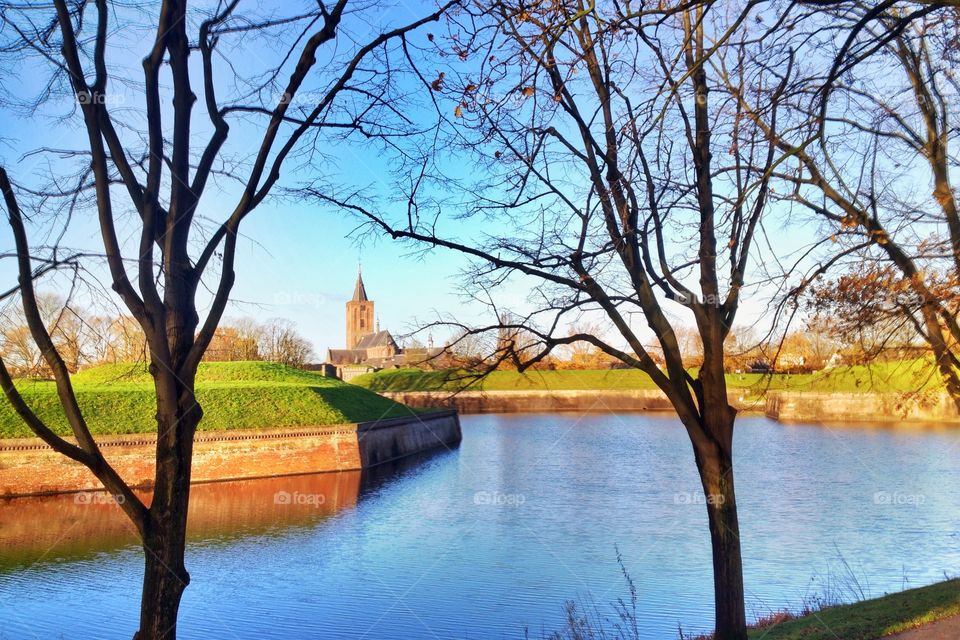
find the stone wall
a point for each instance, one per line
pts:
(389, 440)
(799, 406)
(883, 408)
(570, 400)
(29, 467)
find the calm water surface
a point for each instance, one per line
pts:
(492, 538)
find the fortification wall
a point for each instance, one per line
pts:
(882, 408)
(784, 406)
(29, 467)
(570, 400)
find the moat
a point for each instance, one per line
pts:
(492, 537)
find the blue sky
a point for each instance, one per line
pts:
(296, 259)
(299, 261)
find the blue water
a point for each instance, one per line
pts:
(493, 537)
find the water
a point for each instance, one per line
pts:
(492, 538)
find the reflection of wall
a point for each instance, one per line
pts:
(29, 467)
(76, 525)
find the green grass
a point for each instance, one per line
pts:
(234, 395)
(902, 376)
(871, 619)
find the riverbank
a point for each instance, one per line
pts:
(926, 410)
(887, 617)
(905, 376)
(545, 401)
(892, 393)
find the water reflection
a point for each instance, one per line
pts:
(421, 548)
(77, 526)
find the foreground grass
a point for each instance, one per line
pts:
(234, 395)
(902, 376)
(866, 620)
(871, 619)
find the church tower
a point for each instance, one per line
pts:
(359, 314)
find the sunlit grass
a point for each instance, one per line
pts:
(899, 376)
(871, 619)
(234, 395)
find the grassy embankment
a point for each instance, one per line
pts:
(904, 376)
(234, 395)
(870, 619)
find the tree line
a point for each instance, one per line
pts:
(84, 338)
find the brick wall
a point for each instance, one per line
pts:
(29, 467)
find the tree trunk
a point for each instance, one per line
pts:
(165, 576)
(164, 580)
(715, 464)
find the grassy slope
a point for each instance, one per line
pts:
(894, 376)
(234, 395)
(871, 619)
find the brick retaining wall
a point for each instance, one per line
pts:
(783, 406)
(596, 400)
(29, 467)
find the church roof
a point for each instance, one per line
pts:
(378, 339)
(346, 356)
(359, 291)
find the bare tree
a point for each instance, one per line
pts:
(613, 180)
(582, 355)
(68, 329)
(691, 345)
(280, 342)
(237, 340)
(862, 144)
(320, 88)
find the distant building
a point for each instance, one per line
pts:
(359, 315)
(368, 347)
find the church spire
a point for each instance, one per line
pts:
(360, 315)
(359, 291)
